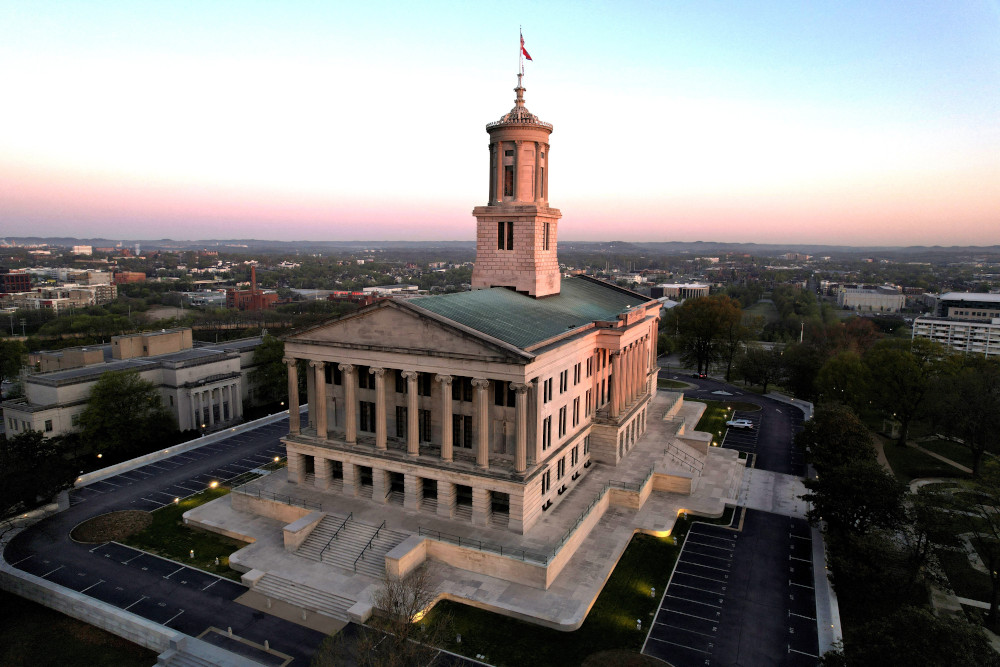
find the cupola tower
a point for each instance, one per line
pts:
(516, 230)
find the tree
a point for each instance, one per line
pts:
(701, 323)
(802, 362)
(33, 468)
(270, 374)
(858, 495)
(843, 379)
(835, 437)
(915, 636)
(760, 365)
(978, 511)
(966, 402)
(12, 354)
(124, 410)
(734, 337)
(902, 372)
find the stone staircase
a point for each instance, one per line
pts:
(306, 597)
(176, 658)
(347, 546)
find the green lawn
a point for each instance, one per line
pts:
(950, 450)
(31, 634)
(170, 538)
(611, 623)
(908, 463)
(671, 384)
(718, 413)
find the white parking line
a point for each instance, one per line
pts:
(703, 590)
(23, 559)
(704, 604)
(210, 585)
(167, 576)
(712, 546)
(810, 618)
(173, 617)
(51, 571)
(791, 650)
(698, 576)
(677, 627)
(139, 555)
(99, 546)
(792, 583)
(135, 603)
(92, 585)
(690, 648)
(720, 569)
(804, 560)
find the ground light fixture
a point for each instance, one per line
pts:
(213, 484)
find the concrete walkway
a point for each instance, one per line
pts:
(565, 604)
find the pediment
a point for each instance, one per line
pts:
(392, 326)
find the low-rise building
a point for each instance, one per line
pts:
(679, 291)
(964, 321)
(884, 298)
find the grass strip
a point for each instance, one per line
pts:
(170, 538)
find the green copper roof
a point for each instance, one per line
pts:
(524, 321)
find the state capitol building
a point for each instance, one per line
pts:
(485, 406)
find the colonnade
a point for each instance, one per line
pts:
(481, 411)
(630, 368)
(204, 399)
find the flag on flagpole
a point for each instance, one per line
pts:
(524, 51)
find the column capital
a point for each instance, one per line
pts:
(377, 372)
(346, 368)
(313, 363)
(289, 361)
(409, 375)
(615, 354)
(444, 379)
(480, 383)
(520, 387)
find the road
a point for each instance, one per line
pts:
(160, 590)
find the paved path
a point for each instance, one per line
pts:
(163, 591)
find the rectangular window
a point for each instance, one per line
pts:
(576, 374)
(338, 375)
(461, 431)
(546, 482)
(547, 391)
(365, 379)
(545, 245)
(48, 425)
(461, 389)
(367, 416)
(590, 366)
(574, 456)
(400, 382)
(171, 401)
(508, 181)
(576, 411)
(505, 235)
(562, 421)
(561, 468)
(425, 425)
(546, 433)
(588, 405)
(400, 421)
(586, 445)
(508, 153)
(425, 381)
(563, 381)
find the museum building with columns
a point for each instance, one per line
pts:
(485, 406)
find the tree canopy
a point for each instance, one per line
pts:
(701, 325)
(124, 414)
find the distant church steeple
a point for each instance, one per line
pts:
(516, 230)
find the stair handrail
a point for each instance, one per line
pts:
(692, 462)
(335, 534)
(368, 546)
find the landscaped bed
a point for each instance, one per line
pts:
(610, 627)
(909, 463)
(718, 413)
(114, 526)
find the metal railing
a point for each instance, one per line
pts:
(685, 459)
(335, 534)
(278, 498)
(361, 556)
(479, 545)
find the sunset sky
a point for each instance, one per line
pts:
(844, 122)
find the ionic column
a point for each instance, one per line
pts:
(626, 376)
(211, 407)
(350, 405)
(319, 372)
(498, 193)
(482, 422)
(616, 389)
(201, 409)
(517, 165)
(520, 427)
(446, 417)
(380, 424)
(238, 400)
(412, 421)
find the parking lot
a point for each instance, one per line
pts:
(740, 597)
(744, 439)
(154, 499)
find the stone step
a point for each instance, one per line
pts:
(178, 658)
(352, 540)
(306, 597)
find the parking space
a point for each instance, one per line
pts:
(744, 439)
(740, 597)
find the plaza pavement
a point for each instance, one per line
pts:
(566, 602)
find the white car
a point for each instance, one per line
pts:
(739, 423)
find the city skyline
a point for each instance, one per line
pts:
(839, 124)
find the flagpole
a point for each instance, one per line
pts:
(520, 50)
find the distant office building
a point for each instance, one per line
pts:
(883, 299)
(203, 387)
(14, 281)
(82, 250)
(679, 291)
(126, 277)
(965, 321)
(252, 299)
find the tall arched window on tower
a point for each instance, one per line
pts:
(546, 240)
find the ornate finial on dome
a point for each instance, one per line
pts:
(520, 113)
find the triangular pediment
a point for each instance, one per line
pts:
(390, 325)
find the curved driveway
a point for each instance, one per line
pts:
(163, 591)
